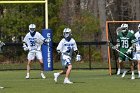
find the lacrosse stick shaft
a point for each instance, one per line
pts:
(111, 45)
(123, 54)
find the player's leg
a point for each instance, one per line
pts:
(132, 69)
(123, 69)
(122, 63)
(42, 68)
(28, 69)
(39, 57)
(137, 55)
(119, 67)
(66, 80)
(56, 75)
(30, 58)
(138, 66)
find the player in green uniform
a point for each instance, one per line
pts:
(125, 39)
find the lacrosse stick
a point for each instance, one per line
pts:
(111, 45)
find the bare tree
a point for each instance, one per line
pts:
(137, 10)
(102, 15)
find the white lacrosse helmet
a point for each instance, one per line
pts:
(32, 28)
(124, 27)
(139, 27)
(67, 32)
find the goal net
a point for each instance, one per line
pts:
(111, 34)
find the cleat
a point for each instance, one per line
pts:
(27, 77)
(118, 72)
(56, 76)
(43, 76)
(123, 75)
(67, 81)
(132, 77)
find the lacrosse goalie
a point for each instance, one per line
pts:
(65, 48)
(32, 42)
(125, 40)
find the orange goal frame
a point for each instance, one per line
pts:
(107, 38)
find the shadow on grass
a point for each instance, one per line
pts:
(34, 78)
(69, 84)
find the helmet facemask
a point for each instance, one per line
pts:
(32, 28)
(124, 28)
(67, 33)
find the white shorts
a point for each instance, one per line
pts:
(34, 53)
(66, 60)
(136, 56)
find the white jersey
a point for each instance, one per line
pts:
(31, 41)
(67, 47)
(137, 36)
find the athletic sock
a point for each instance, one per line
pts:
(28, 74)
(132, 73)
(119, 69)
(139, 73)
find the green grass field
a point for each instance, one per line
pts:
(85, 81)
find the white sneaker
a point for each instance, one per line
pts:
(118, 72)
(123, 75)
(132, 77)
(67, 81)
(27, 77)
(56, 76)
(43, 76)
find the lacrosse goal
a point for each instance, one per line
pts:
(111, 36)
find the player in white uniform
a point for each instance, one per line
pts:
(32, 42)
(66, 47)
(137, 54)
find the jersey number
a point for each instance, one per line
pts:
(68, 49)
(32, 43)
(125, 44)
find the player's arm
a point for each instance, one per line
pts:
(118, 44)
(78, 56)
(59, 47)
(40, 40)
(132, 47)
(45, 40)
(25, 46)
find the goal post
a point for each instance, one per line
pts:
(29, 2)
(111, 36)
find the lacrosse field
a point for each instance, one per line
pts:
(85, 81)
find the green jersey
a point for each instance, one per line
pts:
(125, 41)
